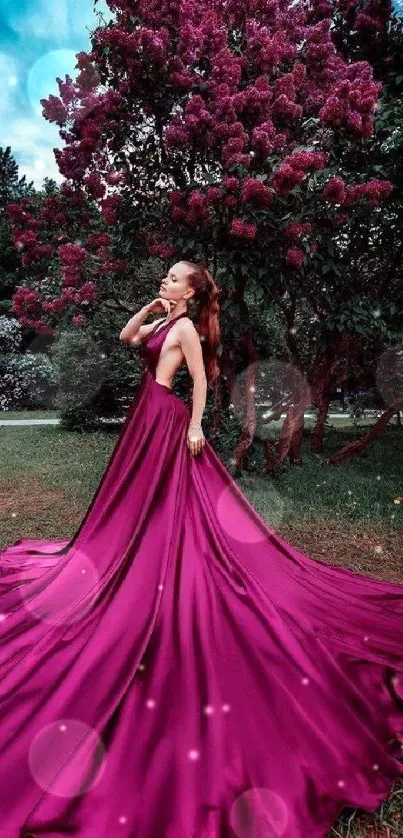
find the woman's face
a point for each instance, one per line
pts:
(175, 284)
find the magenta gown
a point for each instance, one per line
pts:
(178, 670)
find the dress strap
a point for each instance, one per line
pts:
(169, 323)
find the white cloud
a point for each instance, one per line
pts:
(31, 138)
(32, 142)
(42, 20)
(55, 20)
(46, 30)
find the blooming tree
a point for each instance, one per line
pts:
(218, 129)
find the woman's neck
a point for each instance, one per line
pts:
(176, 313)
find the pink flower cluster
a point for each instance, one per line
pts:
(72, 254)
(369, 17)
(115, 178)
(264, 49)
(110, 266)
(32, 250)
(265, 139)
(373, 190)
(79, 320)
(26, 299)
(88, 293)
(337, 191)
(163, 251)
(157, 246)
(54, 306)
(307, 161)
(96, 188)
(286, 178)
(293, 169)
(27, 306)
(352, 101)
(17, 212)
(242, 229)
(295, 257)
(231, 183)
(72, 276)
(96, 240)
(213, 194)
(194, 208)
(255, 192)
(285, 105)
(54, 110)
(25, 240)
(297, 229)
(231, 105)
(110, 207)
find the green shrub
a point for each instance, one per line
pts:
(27, 382)
(80, 371)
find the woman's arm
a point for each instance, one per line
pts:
(134, 331)
(189, 341)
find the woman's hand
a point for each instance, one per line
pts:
(161, 305)
(195, 438)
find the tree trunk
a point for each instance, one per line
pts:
(249, 426)
(373, 433)
(324, 382)
(290, 439)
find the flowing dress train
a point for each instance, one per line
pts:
(178, 670)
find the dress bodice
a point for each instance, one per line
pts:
(150, 347)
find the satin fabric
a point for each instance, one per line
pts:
(178, 670)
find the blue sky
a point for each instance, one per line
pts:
(38, 41)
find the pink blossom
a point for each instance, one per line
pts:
(54, 110)
(255, 192)
(295, 257)
(178, 213)
(175, 197)
(286, 178)
(110, 207)
(335, 191)
(307, 161)
(374, 190)
(79, 320)
(95, 186)
(243, 229)
(99, 240)
(27, 239)
(88, 292)
(213, 194)
(231, 183)
(44, 251)
(72, 254)
(294, 231)
(16, 213)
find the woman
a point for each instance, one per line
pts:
(177, 670)
(184, 282)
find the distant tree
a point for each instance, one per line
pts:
(12, 188)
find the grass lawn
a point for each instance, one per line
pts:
(345, 514)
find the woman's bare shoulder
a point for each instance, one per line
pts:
(186, 323)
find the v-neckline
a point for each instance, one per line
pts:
(156, 331)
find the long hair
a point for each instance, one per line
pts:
(206, 298)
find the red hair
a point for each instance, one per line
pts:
(206, 295)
